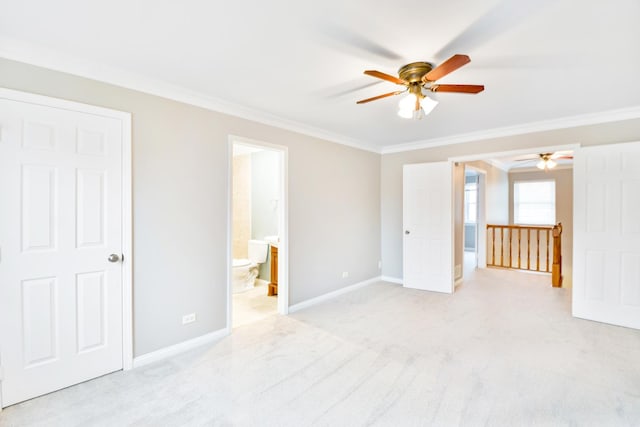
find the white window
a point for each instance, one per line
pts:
(534, 202)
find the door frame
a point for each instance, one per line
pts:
(127, 216)
(283, 224)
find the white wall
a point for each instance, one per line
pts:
(265, 197)
(180, 172)
(497, 196)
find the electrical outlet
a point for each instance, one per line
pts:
(345, 274)
(188, 318)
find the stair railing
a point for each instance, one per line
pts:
(522, 247)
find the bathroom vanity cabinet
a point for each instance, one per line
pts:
(273, 285)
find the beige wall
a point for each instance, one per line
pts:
(497, 200)
(564, 210)
(180, 205)
(241, 219)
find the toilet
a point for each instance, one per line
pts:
(245, 271)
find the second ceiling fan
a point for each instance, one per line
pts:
(546, 161)
(421, 76)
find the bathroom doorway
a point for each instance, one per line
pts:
(257, 241)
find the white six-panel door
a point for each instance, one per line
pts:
(606, 235)
(60, 219)
(428, 226)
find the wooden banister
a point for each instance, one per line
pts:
(540, 251)
(556, 271)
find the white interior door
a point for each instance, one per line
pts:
(428, 226)
(60, 219)
(606, 236)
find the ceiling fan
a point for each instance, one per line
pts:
(418, 77)
(547, 161)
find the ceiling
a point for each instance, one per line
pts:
(299, 64)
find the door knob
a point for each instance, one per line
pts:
(114, 258)
(406, 231)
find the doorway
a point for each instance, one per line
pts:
(498, 172)
(257, 285)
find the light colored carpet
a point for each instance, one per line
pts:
(502, 351)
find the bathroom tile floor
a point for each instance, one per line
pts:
(502, 351)
(253, 305)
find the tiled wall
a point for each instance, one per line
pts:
(241, 205)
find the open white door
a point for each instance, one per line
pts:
(428, 229)
(61, 309)
(606, 252)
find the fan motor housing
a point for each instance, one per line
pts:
(413, 72)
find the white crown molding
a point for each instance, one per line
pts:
(541, 126)
(47, 58)
(512, 153)
(498, 164)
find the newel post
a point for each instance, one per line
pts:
(556, 268)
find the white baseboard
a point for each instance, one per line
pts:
(392, 280)
(330, 295)
(173, 350)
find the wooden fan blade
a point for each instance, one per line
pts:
(562, 154)
(448, 66)
(383, 76)
(364, 101)
(563, 157)
(457, 88)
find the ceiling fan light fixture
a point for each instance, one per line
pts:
(407, 106)
(545, 164)
(407, 102)
(418, 77)
(428, 104)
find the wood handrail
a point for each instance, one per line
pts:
(532, 227)
(537, 258)
(556, 271)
